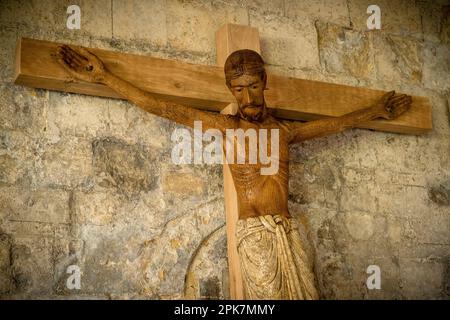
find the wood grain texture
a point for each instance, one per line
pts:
(230, 38)
(204, 86)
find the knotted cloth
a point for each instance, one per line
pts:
(273, 262)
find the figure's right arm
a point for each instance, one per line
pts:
(85, 66)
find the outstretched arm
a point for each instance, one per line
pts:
(390, 106)
(83, 65)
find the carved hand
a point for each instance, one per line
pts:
(81, 64)
(391, 105)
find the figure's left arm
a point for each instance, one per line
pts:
(390, 106)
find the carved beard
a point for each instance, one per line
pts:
(253, 113)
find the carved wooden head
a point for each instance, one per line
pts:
(246, 78)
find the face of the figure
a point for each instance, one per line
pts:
(249, 93)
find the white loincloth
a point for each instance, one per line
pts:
(273, 262)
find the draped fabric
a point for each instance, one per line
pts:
(273, 262)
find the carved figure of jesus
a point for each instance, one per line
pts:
(273, 261)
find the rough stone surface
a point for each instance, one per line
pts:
(343, 50)
(400, 17)
(281, 36)
(140, 20)
(398, 59)
(88, 181)
(436, 67)
(335, 11)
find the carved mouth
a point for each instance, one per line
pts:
(251, 107)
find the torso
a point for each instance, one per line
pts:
(258, 194)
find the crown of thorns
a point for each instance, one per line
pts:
(243, 62)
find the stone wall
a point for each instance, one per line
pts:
(88, 181)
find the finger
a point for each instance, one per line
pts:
(73, 55)
(404, 100)
(70, 52)
(60, 52)
(399, 110)
(389, 95)
(70, 61)
(86, 53)
(65, 66)
(397, 99)
(400, 98)
(62, 62)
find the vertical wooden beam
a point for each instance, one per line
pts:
(233, 37)
(229, 38)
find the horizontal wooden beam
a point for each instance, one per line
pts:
(204, 87)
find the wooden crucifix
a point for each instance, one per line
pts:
(266, 256)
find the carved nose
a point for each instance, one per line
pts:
(246, 97)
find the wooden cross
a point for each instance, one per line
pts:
(204, 87)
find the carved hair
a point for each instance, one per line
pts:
(244, 62)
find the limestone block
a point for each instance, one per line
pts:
(434, 20)
(140, 19)
(168, 258)
(22, 108)
(444, 33)
(360, 225)
(400, 17)
(76, 115)
(285, 41)
(432, 231)
(440, 194)
(267, 7)
(360, 197)
(21, 228)
(6, 284)
(50, 15)
(398, 59)
(423, 252)
(7, 52)
(335, 11)
(436, 67)
(421, 280)
(399, 178)
(32, 266)
(404, 201)
(344, 50)
(390, 283)
(43, 205)
(66, 163)
(183, 184)
(394, 229)
(192, 26)
(132, 168)
(353, 176)
(97, 208)
(132, 125)
(16, 157)
(109, 266)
